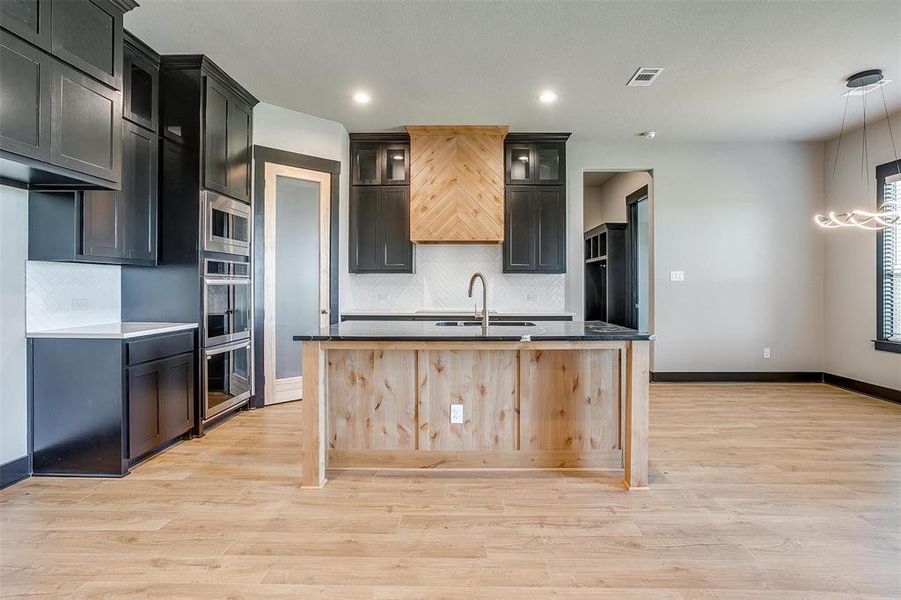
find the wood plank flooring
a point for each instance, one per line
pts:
(757, 491)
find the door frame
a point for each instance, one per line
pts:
(632, 201)
(281, 161)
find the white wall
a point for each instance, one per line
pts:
(850, 262)
(737, 218)
(284, 129)
(606, 203)
(13, 365)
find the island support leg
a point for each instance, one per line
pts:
(314, 453)
(637, 401)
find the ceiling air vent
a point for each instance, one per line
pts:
(644, 76)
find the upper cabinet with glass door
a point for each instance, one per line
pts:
(535, 158)
(382, 162)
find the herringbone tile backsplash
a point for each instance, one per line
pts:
(441, 280)
(61, 295)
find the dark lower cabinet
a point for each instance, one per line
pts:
(380, 230)
(160, 403)
(535, 229)
(100, 405)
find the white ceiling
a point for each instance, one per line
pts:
(736, 70)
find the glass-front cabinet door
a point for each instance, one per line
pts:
(519, 163)
(550, 168)
(397, 164)
(366, 164)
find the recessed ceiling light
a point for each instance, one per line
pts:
(648, 135)
(362, 98)
(547, 97)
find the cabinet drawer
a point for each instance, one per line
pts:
(154, 348)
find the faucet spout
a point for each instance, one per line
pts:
(472, 281)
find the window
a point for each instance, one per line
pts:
(888, 264)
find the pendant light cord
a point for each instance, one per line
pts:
(841, 133)
(890, 134)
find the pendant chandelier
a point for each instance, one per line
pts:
(889, 213)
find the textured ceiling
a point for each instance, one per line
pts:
(734, 70)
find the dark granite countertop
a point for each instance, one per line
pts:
(409, 331)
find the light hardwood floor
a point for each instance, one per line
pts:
(757, 491)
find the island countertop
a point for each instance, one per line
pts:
(408, 331)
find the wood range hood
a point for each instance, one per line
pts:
(457, 183)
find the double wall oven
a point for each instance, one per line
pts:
(227, 365)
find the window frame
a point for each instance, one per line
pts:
(882, 342)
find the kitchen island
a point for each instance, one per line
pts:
(548, 395)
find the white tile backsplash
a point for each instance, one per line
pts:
(441, 280)
(61, 295)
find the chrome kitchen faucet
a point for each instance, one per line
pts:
(472, 281)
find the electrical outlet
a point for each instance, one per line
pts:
(677, 275)
(79, 304)
(382, 297)
(531, 297)
(456, 414)
(767, 353)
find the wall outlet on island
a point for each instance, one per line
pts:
(531, 297)
(456, 414)
(767, 353)
(79, 304)
(677, 275)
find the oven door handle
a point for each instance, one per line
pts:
(227, 348)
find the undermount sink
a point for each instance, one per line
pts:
(479, 323)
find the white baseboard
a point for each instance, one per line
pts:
(286, 390)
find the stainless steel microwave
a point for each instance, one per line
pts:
(226, 224)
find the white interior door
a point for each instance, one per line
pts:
(296, 292)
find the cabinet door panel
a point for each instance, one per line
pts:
(86, 125)
(395, 248)
(139, 192)
(215, 141)
(396, 158)
(519, 163)
(519, 239)
(550, 166)
(102, 226)
(238, 152)
(88, 35)
(145, 388)
(25, 81)
(140, 90)
(178, 396)
(364, 229)
(29, 19)
(550, 213)
(366, 164)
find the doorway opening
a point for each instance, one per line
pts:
(295, 290)
(617, 208)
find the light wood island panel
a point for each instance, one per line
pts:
(547, 405)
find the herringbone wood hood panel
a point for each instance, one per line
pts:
(457, 183)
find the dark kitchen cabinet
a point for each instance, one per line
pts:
(87, 34)
(535, 229)
(140, 83)
(385, 162)
(25, 76)
(226, 142)
(535, 203)
(160, 402)
(28, 19)
(380, 230)
(86, 124)
(102, 226)
(379, 237)
(608, 295)
(101, 405)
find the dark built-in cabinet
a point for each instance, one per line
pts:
(140, 83)
(535, 203)
(100, 405)
(379, 240)
(118, 227)
(607, 289)
(61, 76)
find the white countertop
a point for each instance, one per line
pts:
(112, 331)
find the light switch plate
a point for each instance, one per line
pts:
(456, 414)
(677, 275)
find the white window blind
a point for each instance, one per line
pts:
(891, 271)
